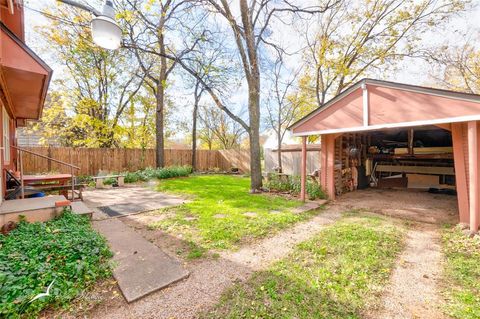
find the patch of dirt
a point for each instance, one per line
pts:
(413, 291)
(419, 206)
(174, 246)
(103, 293)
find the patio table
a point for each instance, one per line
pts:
(56, 179)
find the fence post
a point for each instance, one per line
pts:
(49, 162)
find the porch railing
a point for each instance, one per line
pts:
(20, 152)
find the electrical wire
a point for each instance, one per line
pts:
(53, 17)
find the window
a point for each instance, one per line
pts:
(6, 136)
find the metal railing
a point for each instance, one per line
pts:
(20, 152)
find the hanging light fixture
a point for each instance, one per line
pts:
(106, 33)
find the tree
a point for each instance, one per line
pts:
(250, 32)
(214, 66)
(226, 133)
(283, 107)
(99, 83)
(148, 23)
(456, 67)
(357, 38)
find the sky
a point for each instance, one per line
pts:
(411, 71)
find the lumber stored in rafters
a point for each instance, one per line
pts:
(432, 170)
(424, 150)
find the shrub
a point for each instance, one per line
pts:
(65, 251)
(160, 173)
(293, 186)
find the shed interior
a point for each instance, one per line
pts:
(413, 158)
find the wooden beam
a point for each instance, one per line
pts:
(433, 170)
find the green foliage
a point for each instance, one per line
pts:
(356, 39)
(462, 273)
(65, 250)
(159, 173)
(219, 204)
(333, 275)
(293, 185)
(98, 101)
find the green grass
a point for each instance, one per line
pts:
(229, 197)
(65, 250)
(337, 274)
(462, 274)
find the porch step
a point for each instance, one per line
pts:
(81, 209)
(38, 209)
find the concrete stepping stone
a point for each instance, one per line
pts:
(275, 212)
(218, 216)
(308, 206)
(190, 218)
(250, 214)
(141, 267)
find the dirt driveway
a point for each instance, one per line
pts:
(413, 205)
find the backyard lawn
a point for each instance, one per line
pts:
(339, 273)
(462, 274)
(222, 213)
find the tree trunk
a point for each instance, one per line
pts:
(254, 134)
(279, 150)
(194, 130)
(252, 72)
(159, 125)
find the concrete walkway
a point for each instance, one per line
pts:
(141, 267)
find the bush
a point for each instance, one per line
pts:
(65, 251)
(160, 173)
(293, 186)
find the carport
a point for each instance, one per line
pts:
(402, 135)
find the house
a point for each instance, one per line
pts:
(379, 133)
(24, 80)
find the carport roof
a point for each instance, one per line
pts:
(375, 104)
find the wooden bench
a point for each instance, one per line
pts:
(100, 179)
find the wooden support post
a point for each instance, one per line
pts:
(304, 169)
(323, 162)
(473, 171)
(410, 141)
(330, 168)
(460, 161)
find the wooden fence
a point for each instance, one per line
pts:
(93, 160)
(292, 159)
